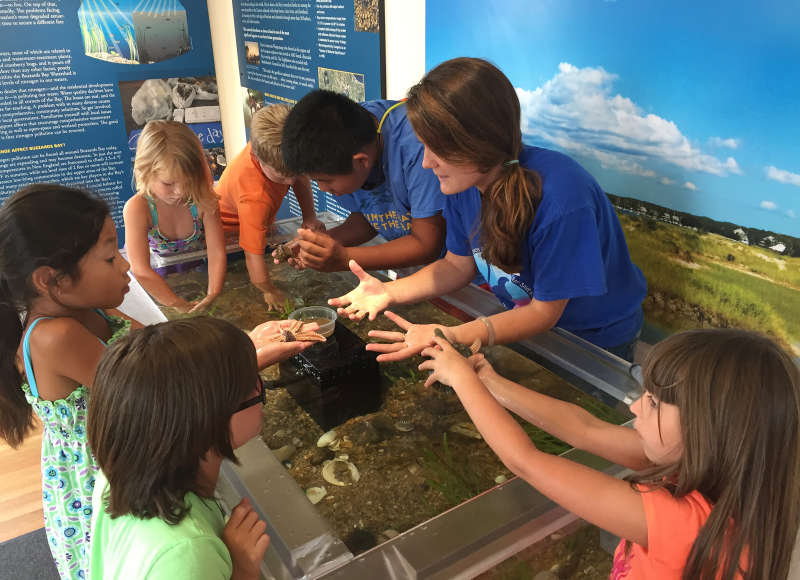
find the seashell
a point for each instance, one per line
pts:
(327, 438)
(466, 429)
(315, 494)
(336, 445)
(404, 426)
(500, 479)
(340, 472)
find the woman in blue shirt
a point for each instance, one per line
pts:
(532, 222)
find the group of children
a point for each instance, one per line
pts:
(137, 420)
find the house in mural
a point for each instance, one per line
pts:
(742, 235)
(779, 248)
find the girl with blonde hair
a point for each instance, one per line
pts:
(174, 210)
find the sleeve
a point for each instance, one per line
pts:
(673, 523)
(350, 202)
(566, 258)
(425, 197)
(255, 216)
(457, 239)
(204, 558)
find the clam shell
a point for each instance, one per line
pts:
(329, 472)
(404, 426)
(327, 438)
(315, 494)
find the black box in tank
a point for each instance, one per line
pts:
(334, 380)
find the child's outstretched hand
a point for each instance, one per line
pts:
(273, 298)
(246, 540)
(445, 363)
(203, 305)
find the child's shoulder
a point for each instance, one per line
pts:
(54, 336)
(136, 205)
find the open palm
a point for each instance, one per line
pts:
(370, 297)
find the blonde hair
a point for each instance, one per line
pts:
(466, 111)
(169, 147)
(266, 131)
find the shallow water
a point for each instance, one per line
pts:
(417, 455)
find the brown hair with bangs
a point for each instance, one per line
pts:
(172, 148)
(163, 397)
(738, 395)
(466, 111)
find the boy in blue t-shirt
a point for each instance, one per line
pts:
(369, 157)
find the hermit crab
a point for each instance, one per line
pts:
(283, 252)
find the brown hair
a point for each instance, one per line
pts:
(466, 111)
(44, 224)
(266, 131)
(738, 395)
(173, 148)
(163, 396)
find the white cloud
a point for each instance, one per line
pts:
(791, 213)
(667, 181)
(690, 185)
(770, 205)
(730, 142)
(782, 176)
(576, 111)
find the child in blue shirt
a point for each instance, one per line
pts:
(533, 222)
(369, 157)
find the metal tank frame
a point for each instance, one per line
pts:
(461, 542)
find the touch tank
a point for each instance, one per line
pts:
(365, 473)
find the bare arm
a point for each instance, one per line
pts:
(566, 421)
(136, 216)
(512, 325)
(215, 250)
(259, 276)
(603, 500)
(332, 251)
(305, 199)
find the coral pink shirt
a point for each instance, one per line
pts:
(673, 525)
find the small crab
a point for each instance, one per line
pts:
(294, 332)
(461, 349)
(283, 252)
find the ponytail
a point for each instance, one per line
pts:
(16, 416)
(507, 210)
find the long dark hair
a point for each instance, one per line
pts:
(738, 394)
(41, 225)
(163, 397)
(466, 111)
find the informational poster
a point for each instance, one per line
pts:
(80, 78)
(289, 48)
(689, 125)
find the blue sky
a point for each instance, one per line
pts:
(691, 105)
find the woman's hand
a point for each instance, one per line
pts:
(269, 349)
(370, 297)
(246, 540)
(446, 365)
(403, 345)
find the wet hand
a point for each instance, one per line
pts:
(445, 363)
(183, 306)
(483, 368)
(274, 298)
(246, 540)
(405, 344)
(370, 297)
(203, 304)
(269, 348)
(320, 251)
(314, 225)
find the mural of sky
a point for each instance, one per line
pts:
(690, 105)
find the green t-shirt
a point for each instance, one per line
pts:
(131, 547)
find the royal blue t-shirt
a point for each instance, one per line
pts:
(409, 191)
(574, 249)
